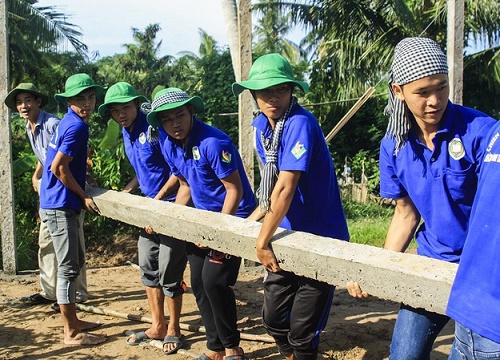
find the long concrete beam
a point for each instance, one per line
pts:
(408, 278)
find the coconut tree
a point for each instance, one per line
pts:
(141, 64)
(230, 11)
(353, 40)
(34, 30)
(270, 31)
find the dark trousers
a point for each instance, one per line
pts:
(295, 312)
(212, 275)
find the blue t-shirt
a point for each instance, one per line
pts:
(145, 155)
(475, 296)
(440, 182)
(71, 138)
(316, 206)
(208, 157)
(46, 125)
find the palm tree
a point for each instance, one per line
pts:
(353, 40)
(230, 11)
(270, 32)
(141, 65)
(34, 30)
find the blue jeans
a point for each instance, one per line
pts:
(415, 332)
(65, 230)
(472, 346)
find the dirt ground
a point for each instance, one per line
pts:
(357, 329)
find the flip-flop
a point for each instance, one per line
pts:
(178, 341)
(140, 337)
(85, 339)
(35, 299)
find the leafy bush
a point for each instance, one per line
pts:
(27, 222)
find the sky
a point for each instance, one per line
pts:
(106, 24)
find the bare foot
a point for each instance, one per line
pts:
(236, 353)
(157, 334)
(85, 339)
(215, 355)
(88, 325)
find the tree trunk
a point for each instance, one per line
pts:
(230, 11)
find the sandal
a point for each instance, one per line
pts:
(140, 337)
(35, 299)
(178, 341)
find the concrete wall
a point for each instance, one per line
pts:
(415, 280)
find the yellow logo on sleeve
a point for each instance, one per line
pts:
(298, 150)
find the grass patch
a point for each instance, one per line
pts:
(368, 223)
(369, 231)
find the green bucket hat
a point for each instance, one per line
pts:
(119, 93)
(75, 84)
(269, 70)
(172, 98)
(10, 99)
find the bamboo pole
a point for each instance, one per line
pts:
(364, 98)
(192, 328)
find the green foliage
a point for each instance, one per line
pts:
(352, 41)
(111, 135)
(27, 221)
(368, 223)
(271, 31)
(356, 210)
(51, 77)
(357, 144)
(370, 231)
(24, 164)
(365, 169)
(481, 90)
(34, 30)
(26, 200)
(215, 89)
(140, 66)
(110, 166)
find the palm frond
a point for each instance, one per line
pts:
(46, 27)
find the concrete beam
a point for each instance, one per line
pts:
(408, 278)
